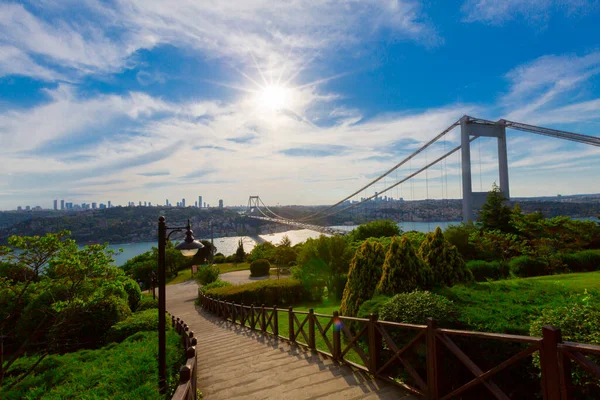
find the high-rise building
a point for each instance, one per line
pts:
(166, 202)
(182, 202)
(94, 205)
(200, 201)
(19, 208)
(62, 204)
(220, 203)
(109, 205)
(196, 204)
(55, 205)
(204, 204)
(68, 206)
(102, 206)
(27, 208)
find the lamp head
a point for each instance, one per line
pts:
(189, 247)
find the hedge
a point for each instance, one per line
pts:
(269, 292)
(260, 268)
(526, 266)
(484, 270)
(583, 261)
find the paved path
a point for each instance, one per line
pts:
(237, 363)
(239, 277)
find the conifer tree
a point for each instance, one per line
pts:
(443, 258)
(494, 214)
(403, 270)
(363, 276)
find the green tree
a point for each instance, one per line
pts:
(364, 274)
(495, 214)
(240, 254)
(444, 260)
(403, 270)
(375, 229)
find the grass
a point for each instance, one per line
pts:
(577, 282)
(230, 267)
(182, 276)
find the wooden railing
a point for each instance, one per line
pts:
(373, 346)
(188, 373)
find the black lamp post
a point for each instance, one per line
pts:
(189, 247)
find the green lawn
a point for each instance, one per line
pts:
(182, 276)
(230, 267)
(577, 282)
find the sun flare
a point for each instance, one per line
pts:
(274, 97)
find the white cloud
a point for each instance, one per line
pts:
(498, 12)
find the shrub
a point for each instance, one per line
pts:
(260, 268)
(216, 284)
(458, 235)
(583, 261)
(372, 306)
(364, 274)
(134, 293)
(207, 274)
(147, 303)
(403, 270)
(416, 307)
(484, 270)
(141, 321)
(415, 238)
(269, 292)
(579, 321)
(220, 259)
(524, 266)
(444, 260)
(375, 229)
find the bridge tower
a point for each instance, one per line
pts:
(253, 202)
(473, 128)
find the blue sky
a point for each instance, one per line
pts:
(301, 102)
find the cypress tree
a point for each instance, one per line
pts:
(403, 270)
(443, 258)
(363, 276)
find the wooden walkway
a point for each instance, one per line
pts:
(237, 363)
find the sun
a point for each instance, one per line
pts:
(274, 97)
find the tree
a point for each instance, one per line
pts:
(364, 274)
(284, 253)
(443, 258)
(240, 254)
(403, 270)
(494, 214)
(375, 229)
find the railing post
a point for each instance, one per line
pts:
(184, 374)
(242, 314)
(374, 344)
(433, 365)
(291, 324)
(311, 329)
(252, 324)
(275, 321)
(551, 379)
(234, 313)
(337, 339)
(263, 320)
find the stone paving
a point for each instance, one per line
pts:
(237, 363)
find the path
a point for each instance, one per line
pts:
(237, 363)
(239, 277)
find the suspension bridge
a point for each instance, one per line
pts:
(471, 129)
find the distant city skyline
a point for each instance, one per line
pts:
(298, 102)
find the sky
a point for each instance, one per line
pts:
(298, 101)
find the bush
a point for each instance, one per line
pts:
(364, 274)
(444, 260)
(415, 238)
(269, 292)
(416, 307)
(142, 321)
(525, 266)
(372, 306)
(583, 261)
(134, 293)
(488, 270)
(260, 268)
(220, 259)
(375, 229)
(216, 284)
(147, 303)
(207, 274)
(458, 235)
(579, 321)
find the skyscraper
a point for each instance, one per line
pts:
(166, 202)
(200, 201)
(220, 203)
(62, 204)
(55, 205)
(109, 205)
(94, 205)
(182, 202)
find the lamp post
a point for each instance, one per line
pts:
(189, 247)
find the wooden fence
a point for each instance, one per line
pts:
(188, 373)
(374, 345)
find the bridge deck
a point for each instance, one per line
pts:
(235, 362)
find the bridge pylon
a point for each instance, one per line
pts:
(253, 202)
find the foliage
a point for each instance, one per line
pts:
(582, 261)
(269, 292)
(284, 253)
(203, 256)
(458, 235)
(207, 274)
(417, 306)
(147, 303)
(365, 273)
(216, 284)
(220, 259)
(488, 270)
(375, 229)
(126, 370)
(143, 268)
(495, 214)
(141, 321)
(444, 260)
(261, 251)
(240, 254)
(134, 293)
(260, 268)
(579, 321)
(415, 238)
(324, 262)
(372, 306)
(497, 245)
(403, 270)
(525, 266)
